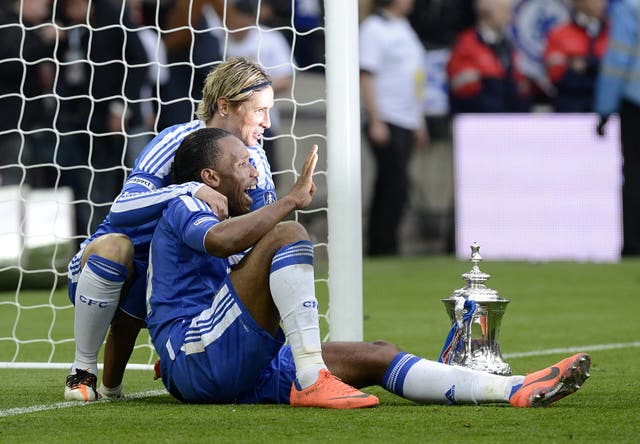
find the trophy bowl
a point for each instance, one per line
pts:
(476, 313)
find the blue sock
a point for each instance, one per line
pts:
(107, 269)
(300, 252)
(393, 379)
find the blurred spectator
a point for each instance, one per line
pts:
(98, 96)
(192, 53)
(304, 16)
(618, 90)
(573, 53)
(267, 47)
(24, 75)
(155, 76)
(392, 81)
(309, 45)
(438, 22)
(482, 71)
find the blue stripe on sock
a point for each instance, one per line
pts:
(300, 252)
(107, 269)
(396, 373)
(514, 389)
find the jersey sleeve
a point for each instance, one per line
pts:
(143, 198)
(617, 59)
(464, 76)
(369, 49)
(190, 219)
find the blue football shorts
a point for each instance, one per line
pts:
(224, 356)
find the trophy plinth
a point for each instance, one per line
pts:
(476, 314)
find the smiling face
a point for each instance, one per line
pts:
(236, 175)
(249, 119)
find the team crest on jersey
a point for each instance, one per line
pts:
(269, 197)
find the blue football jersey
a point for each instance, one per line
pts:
(182, 277)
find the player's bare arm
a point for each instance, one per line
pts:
(239, 233)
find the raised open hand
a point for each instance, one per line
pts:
(304, 189)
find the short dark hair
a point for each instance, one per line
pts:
(198, 150)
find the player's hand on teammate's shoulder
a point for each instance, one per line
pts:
(304, 188)
(217, 201)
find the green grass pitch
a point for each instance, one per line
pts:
(553, 306)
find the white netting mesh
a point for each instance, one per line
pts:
(83, 86)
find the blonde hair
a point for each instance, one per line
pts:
(235, 80)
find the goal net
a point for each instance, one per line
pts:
(79, 105)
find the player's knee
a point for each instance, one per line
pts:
(113, 246)
(289, 232)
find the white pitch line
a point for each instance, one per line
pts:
(62, 405)
(586, 348)
(61, 365)
(152, 393)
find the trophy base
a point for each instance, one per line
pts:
(486, 361)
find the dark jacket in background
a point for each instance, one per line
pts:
(94, 71)
(20, 81)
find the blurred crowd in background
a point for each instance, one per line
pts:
(140, 65)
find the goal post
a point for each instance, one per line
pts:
(343, 171)
(36, 322)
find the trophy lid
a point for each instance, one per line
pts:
(475, 289)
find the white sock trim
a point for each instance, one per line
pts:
(110, 393)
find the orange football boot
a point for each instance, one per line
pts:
(330, 392)
(157, 373)
(81, 386)
(544, 387)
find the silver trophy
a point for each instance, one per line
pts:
(476, 313)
